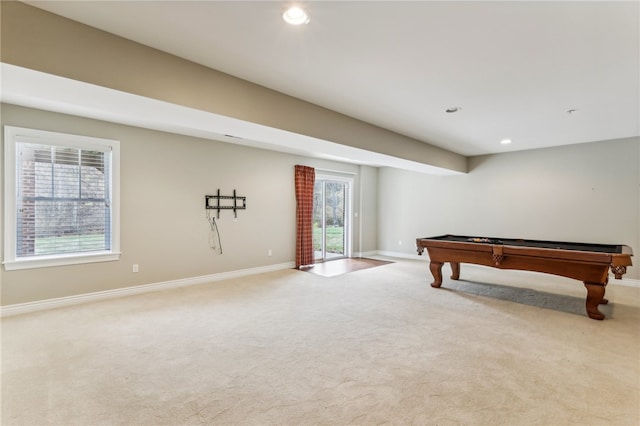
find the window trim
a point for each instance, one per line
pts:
(11, 137)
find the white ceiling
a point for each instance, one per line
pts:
(513, 67)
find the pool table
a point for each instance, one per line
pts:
(589, 263)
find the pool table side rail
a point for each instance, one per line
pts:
(543, 244)
(577, 255)
(581, 265)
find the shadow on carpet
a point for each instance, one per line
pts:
(527, 296)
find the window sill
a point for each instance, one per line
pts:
(46, 262)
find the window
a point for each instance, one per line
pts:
(61, 199)
(331, 217)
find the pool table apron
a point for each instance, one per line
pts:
(589, 267)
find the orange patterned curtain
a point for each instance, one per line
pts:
(305, 180)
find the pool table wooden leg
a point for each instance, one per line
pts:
(436, 271)
(455, 270)
(595, 297)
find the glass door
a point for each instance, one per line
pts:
(330, 219)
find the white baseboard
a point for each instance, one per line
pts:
(411, 256)
(627, 282)
(23, 308)
(365, 253)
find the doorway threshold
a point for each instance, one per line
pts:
(336, 267)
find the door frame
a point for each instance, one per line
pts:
(348, 217)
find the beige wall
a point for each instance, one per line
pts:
(368, 218)
(580, 193)
(69, 49)
(164, 178)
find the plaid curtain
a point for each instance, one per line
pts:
(305, 180)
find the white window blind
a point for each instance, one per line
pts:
(63, 200)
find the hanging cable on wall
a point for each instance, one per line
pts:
(214, 234)
(213, 202)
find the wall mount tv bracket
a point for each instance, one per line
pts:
(212, 202)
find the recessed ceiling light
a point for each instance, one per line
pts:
(452, 110)
(505, 141)
(295, 15)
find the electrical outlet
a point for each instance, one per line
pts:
(399, 242)
(136, 268)
(269, 252)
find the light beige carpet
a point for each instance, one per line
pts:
(376, 346)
